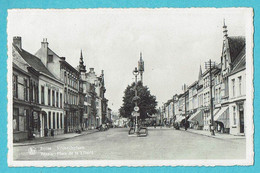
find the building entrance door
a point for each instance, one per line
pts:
(241, 119)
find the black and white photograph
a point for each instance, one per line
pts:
(130, 87)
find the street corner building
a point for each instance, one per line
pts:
(50, 97)
(227, 90)
(37, 96)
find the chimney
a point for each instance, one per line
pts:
(45, 43)
(17, 41)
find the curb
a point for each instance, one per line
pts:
(208, 135)
(57, 140)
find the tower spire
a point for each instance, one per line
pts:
(200, 73)
(141, 66)
(82, 67)
(225, 29)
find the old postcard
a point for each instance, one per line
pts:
(130, 87)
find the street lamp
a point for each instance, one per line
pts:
(209, 65)
(136, 73)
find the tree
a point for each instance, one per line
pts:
(147, 102)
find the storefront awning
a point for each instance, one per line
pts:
(197, 118)
(215, 112)
(223, 116)
(179, 118)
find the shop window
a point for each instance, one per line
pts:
(26, 119)
(15, 119)
(234, 115)
(36, 122)
(21, 122)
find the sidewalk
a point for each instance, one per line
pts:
(217, 135)
(51, 139)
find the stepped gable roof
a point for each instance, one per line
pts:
(33, 61)
(236, 44)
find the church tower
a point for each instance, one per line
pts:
(82, 67)
(141, 66)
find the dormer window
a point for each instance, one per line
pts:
(50, 58)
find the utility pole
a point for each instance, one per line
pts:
(211, 98)
(185, 108)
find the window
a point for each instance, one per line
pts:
(53, 120)
(49, 97)
(26, 119)
(61, 100)
(65, 77)
(240, 85)
(53, 98)
(57, 99)
(61, 122)
(42, 94)
(15, 86)
(33, 92)
(15, 119)
(49, 120)
(18, 120)
(58, 124)
(50, 58)
(234, 115)
(65, 95)
(233, 87)
(36, 93)
(26, 89)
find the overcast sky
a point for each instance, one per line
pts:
(174, 42)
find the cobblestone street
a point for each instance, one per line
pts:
(115, 144)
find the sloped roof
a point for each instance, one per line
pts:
(236, 44)
(33, 61)
(240, 61)
(17, 67)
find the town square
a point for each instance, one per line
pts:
(130, 85)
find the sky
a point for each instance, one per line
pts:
(174, 42)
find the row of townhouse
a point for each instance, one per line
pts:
(50, 97)
(192, 107)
